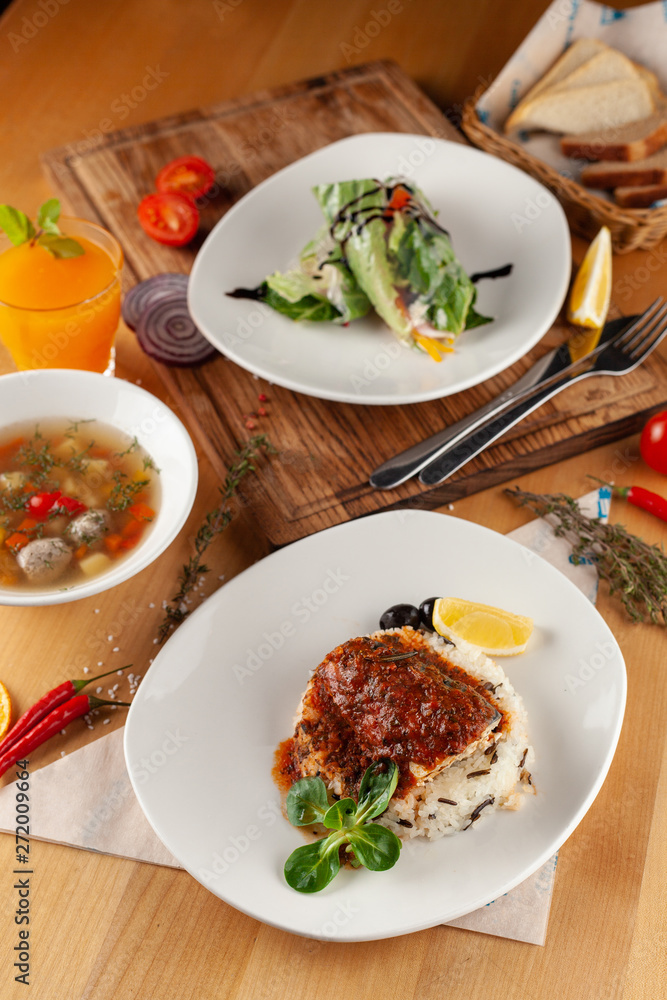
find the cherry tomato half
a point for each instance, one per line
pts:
(188, 175)
(169, 218)
(653, 442)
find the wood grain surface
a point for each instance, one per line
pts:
(108, 929)
(328, 450)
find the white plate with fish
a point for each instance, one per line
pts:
(496, 215)
(221, 695)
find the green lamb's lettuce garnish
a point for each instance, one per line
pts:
(312, 867)
(19, 229)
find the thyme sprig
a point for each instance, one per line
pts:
(633, 569)
(213, 525)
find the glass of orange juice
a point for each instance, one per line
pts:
(62, 312)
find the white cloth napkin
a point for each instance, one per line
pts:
(86, 800)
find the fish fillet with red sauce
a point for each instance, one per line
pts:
(392, 696)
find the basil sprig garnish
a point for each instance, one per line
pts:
(312, 867)
(19, 229)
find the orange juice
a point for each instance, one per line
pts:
(62, 313)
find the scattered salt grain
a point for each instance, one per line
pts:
(98, 690)
(100, 663)
(116, 649)
(105, 722)
(151, 605)
(109, 638)
(120, 673)
(86, 670)
(62, 753)
(97, 611)
(62, 732)
(450, 506)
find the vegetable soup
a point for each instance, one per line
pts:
(75, 496)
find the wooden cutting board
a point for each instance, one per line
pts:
(326, 451)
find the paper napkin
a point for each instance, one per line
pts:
(86, 800)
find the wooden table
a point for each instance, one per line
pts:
(107, 928)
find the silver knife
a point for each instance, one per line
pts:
(548, 369)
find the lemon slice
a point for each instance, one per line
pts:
(591, 291)
(5, 710)
(494, 631)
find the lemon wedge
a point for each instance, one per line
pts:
(591, 291)
(494, 631)
(5, 710)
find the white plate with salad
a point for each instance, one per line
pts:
(357, 261)
(227, 684)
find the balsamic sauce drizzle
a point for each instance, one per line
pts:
(352, 222)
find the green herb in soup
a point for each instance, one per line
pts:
(75, 496)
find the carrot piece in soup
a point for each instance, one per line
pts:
(16, 541)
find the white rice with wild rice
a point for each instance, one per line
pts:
(458, 796)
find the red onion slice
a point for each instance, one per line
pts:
(142, 295)
(167, 333)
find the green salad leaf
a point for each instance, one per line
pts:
(381, 249)
(312, 867)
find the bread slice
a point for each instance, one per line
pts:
(605, 66)
(585, 63)
(640, 197)
(633, 141)
(582, 109)
(659, 98)
(652, 170)
(579, 52)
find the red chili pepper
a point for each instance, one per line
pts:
(46, 704)
(645, 499)
(50, 725)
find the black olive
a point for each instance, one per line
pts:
(426, 613)
(400, 615)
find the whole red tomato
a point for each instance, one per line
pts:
(653, 442)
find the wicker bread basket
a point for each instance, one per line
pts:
(631, 228)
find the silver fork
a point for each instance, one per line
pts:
(622, 356)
